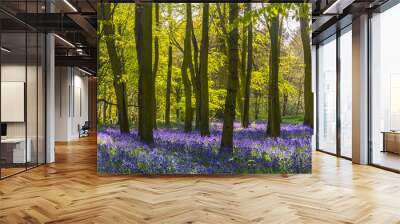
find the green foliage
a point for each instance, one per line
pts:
(294, 119)
(172, 31)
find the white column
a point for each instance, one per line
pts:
(360, 90)
(50, 94)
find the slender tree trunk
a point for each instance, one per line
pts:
(194, 72)
(308, 95)
(104, 113)
(196, 89)
(204, 107)
(222, 45)
(298, 102)
(178, 98)
(229, 113)
(146, 79)
(139, 40)
(116, 66)
(274, 118)
(269, 99)
(285, 104)
(197, 110)
(168, 95)
(169, 71)
(156, 62)
(239, 97)
(222, 39)
(109, 114)
(242, 76)
(246, 106)
(185, 64)
(256, 106)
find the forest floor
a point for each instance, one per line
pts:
(177, 152)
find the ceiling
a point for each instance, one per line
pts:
(330, 15)
(73, 21)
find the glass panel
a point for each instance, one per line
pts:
(31, 97)
(327, 96)
(385, 89)
(14, 153)
(346, 94)
(32, 87)
(23, 87)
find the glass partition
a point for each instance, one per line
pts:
(385, 89)
(22, 78)
(13, 95)
(32, 98)
(346, 93)
(327, 96)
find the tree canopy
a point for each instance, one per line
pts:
(196, 63)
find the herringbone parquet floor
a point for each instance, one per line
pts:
(70, 191)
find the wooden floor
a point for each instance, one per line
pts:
(70, 191)
(387, 159)
(5, 172)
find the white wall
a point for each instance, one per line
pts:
(62, 81)
(71, 102)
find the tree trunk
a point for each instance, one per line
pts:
(256, 106)
(242, 76)
(146, 78)
(104, 113)
(194, 72)
(168, 95)
(116, 66)
(308, 95)
(178, 99)
(298, 105)
(109, 114)
(156, 62)
(185, 64)
(229, 113)
(222, 39)
(274, 111)
(285, 104)
(204, 107)
(246, 106)
(139, 40)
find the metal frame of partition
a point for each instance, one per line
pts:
(369, 70)
(339, 32)
(338, 96)
(43, 118)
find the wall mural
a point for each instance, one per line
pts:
(204, 88)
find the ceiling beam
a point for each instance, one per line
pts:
(81, 61)
(86, 27)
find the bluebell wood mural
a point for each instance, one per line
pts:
(204, 88)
